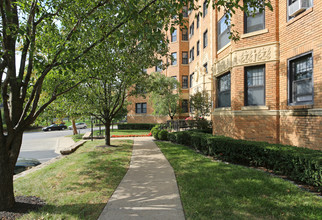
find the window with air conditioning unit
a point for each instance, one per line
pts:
(296, 7)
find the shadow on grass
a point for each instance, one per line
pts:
(235, 192)
(74, 211)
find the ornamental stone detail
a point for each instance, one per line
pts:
(249, 56)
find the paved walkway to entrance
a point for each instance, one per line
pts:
(148, 190)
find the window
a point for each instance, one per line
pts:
(174, 35)
(198, 20)
(185, 11)
(223, 31)
(140, 108)
(205, 39)
(174, 59)
(185, 34)
(192, 29)
(191, 79)
(185, 82)
(300, 80)
(174, 77)
(223, 91)
(184, 57)
(192, 54)
(184, 106)
(296, 7)
(205, 8)
(255, 21)
(198, 48)
(158, 68)
(255, 85)
(206, 67)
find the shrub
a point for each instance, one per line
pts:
(298, 163)
(135, 126)
(155, 130)
(163, 135)
(172, 137)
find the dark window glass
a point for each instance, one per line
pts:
(192, 29)
(174, 59)
(223, 32)
(185, 11)
(198, 48)
(300, 80)
(205, 39)
(184, 106)
(140, 108)
(255, 21)
(174, 77)
(198, 21)
(191, 79)
(205, 8)
(174, 35)
(223, 86)
(158, 68)
(185, 34)
(255, 85)
(206, 67)
(192, 54)
(184, 82)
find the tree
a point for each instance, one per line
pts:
(53, 37)
(164, 95)
(200, 103)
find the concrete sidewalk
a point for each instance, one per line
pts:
(148, 190)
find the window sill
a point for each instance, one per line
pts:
(295, 107)
(225, 47)
(254, 108)
(308, 11)
(222, 109)
(255, 33)
(185, 41)
(185, 64)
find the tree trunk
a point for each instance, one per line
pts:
(107, 133)
(74, 127)
(7, 164)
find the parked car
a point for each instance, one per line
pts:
(55, 127)
(24, 164)
(79, 125)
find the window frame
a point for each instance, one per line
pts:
(250, 17)
(205, 8)
(218, 92)
(246, 85)
(198, 47)
(174, 37)
(185, 82)
(183, 58)
(198, 21)
(141, 104)
(185, 37)
(191, 79)
(185, 10)
(205, 34)
(223, 32)
(205, 65)
(290, 80)
(174, 62)
(187, 106)
(192, 29)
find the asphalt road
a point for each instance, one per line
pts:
(41, 145)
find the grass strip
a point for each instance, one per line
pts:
(123, 132)
(79, 185)
(217, 190)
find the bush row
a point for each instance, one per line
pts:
(135, 126)
(159, 134)
(300, 164)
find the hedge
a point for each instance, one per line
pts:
(135, 126)
(300, 164)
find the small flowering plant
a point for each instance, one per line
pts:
(190, 121)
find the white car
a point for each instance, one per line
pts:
(79, 125)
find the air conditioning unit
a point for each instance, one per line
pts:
(190, 60)
(190, 35)
(297, 7)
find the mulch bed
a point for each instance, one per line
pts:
(23, 205)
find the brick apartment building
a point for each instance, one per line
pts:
(265, 87)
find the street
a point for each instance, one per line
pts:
(41, 145)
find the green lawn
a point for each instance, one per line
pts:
(215, 190)
(79, 185)
(124, 132)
